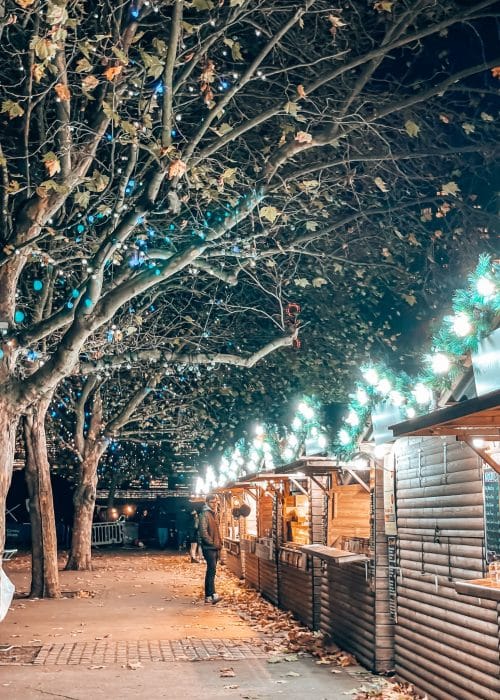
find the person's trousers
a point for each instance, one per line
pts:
(211, 557)
(162, 536)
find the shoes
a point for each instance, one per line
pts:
(212, 598)
(194, 561)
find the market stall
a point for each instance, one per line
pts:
(238, 525)
(448, 590)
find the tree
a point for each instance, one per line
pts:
(142, 143)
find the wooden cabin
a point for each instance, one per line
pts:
(447, 587)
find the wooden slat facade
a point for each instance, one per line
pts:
(446, 643)
(296, 591)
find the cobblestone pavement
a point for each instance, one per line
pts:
(130, 652)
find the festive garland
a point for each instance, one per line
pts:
(476, 314)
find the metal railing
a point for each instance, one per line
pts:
(107, 533)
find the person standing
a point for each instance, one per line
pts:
(211, 544)
(162, 522)
(194, 545)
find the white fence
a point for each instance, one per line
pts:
(115, 532)
(107, 533)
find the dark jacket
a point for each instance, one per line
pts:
(209, 530)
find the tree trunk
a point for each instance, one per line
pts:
(8, 424)
(84, 500)
(44, 571)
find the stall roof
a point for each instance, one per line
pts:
(478, 417)
(466, 420)
(308, 466)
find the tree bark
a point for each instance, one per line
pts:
(44, 571)
(80, 556)
(8, 424)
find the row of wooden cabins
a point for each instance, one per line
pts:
(390, 561)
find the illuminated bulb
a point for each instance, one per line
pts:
(266, 447)
(306, 410)
(422, 394)
(410, 412)
(362, 397)
(257, 443)
(396, 398)
(371, 376)
(379, 451)
(461, 325)
(293, 441)
(322, 441)
(344, 437)
(352, 419)
(485, 287)
(288, 453)
(259, 429)
(440, 363)
(384, 386)
(478, 442)
(296, 423)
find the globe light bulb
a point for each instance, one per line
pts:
(344, 437)
(396, 398)
(266, 447)
(485, 287)
(384, 386)
(362, 397)
(410, 412)
(292, 440)
(352, 419)
(322, 441)
(371, 376)
(422, 394)
(461, 325)
(259, 429)
(478, 442)
(380, 451)
(288, 453)
(440, 363)
(306, 410)
(296, 423)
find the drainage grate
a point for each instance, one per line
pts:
(17, 656)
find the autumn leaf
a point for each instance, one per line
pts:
(495, 72)
(410, 299)
(112, 72)
(412, 129)
(82, 199)
(302, 282)
(300, 91)
(450, 188)
(12, 108)
(43, 48)
(52, 163)
(384, 6)
(303, 137)
(62, 92)
(25, 3)
(444, 118)
(486, 117)
(90, 82)
(468, 128)
(381, 184)
(319, 282)
(269, 213)
(336, 23)
(98, 182)
(177, 168)
(202, 5)
(83, 66)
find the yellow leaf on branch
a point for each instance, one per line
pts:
(303, 137)
(113, 72)
(300, 91)
(62, 91)
(177, 168)
(52, 163)
(25, 3)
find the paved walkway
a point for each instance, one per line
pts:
(137, 623)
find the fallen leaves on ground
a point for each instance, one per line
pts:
(227, 673)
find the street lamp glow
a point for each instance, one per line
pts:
(440, 363)
(461, 325)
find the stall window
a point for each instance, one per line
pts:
(491, 485)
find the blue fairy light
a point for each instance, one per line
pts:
(37, 285)
(19, 316)
(75, 293)
(80, 228)
(32, 355)
(90, 218)
(236, 249)
(1, 354)
(70, 304)
(174, 133)
(110, 335)
(134, 13)
(172, 227)
(159, 89)
(224, 84)
(109, 137)
(88, 302)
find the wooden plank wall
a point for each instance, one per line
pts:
(319, 526)
(233, 563)
(348, 610)
(268, 569)
(251, 570)
(384, 622)
(296, 592)
(446, 644)
(347, 599)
